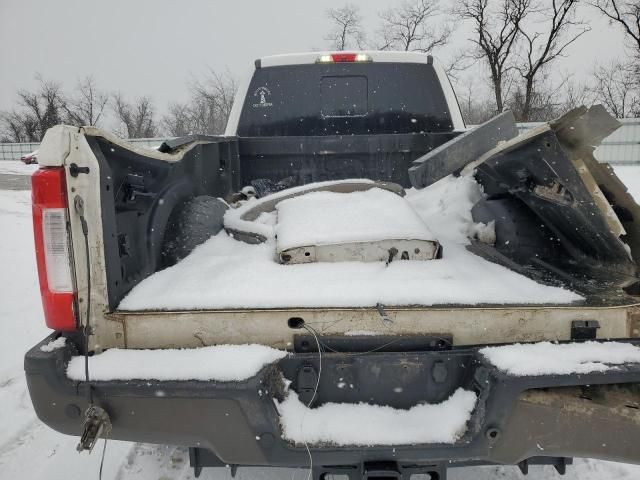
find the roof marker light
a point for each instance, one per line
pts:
(343, 58)
(363, 57)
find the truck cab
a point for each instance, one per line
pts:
(371, 113)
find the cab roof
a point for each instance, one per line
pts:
(375, 56)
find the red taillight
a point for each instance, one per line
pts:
(343, 58)
(50, 229)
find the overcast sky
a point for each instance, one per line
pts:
(145, 47)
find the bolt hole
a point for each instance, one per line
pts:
(295, 322)
(307, 254)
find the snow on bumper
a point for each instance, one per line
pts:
(363, 424)
(223, 363)
(547, 358)
(431, 415)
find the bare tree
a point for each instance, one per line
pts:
(576, 95)
(496, 32)
(208, 109)
(87, 106)
(213, 98)
(194, 117)
(178, 121)
(38, 111)
(616, 88)
(457, 63)
(551, 98)
(346, 28)
(560, 29)
(476, 108)
(627, 15)
(137, 119)
(412, 27)
(17, 127)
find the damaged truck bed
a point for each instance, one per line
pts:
(189, 255)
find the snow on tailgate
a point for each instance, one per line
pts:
(321, 218)
(547, 358)
(223, 363)
(363, 424)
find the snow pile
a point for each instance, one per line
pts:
(223, 363)
(546, 358)
(321, 218)
(54, 345)
(363, 424)
(233, 220)
(11, 167)
(225, 273)
(265, 224)
(485, 232)
(446, 207)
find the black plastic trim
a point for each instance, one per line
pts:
(238, 421)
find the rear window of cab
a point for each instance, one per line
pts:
(344, 99)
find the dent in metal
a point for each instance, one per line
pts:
(374, 251)
(468, 326)
(106, 333)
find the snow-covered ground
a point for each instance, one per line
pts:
(17, 168)
(31, 451)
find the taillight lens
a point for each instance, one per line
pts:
(50, 228)
(343, 58)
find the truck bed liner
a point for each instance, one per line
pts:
(225, 273)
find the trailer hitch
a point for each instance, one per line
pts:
(381, 470)
(96, 424)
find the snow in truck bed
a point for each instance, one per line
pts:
(321, 218)
(225, 273)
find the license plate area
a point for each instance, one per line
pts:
(397, 379)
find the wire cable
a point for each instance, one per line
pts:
(373, 350)
(313, 397)
(104, 449)
(87, 328)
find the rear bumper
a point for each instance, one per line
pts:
(515, 418)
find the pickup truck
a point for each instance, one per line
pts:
(395, 388)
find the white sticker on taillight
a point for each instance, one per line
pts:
(56, 249)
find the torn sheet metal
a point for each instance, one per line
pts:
(556, 209)
(378, 251)
(458, 152)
